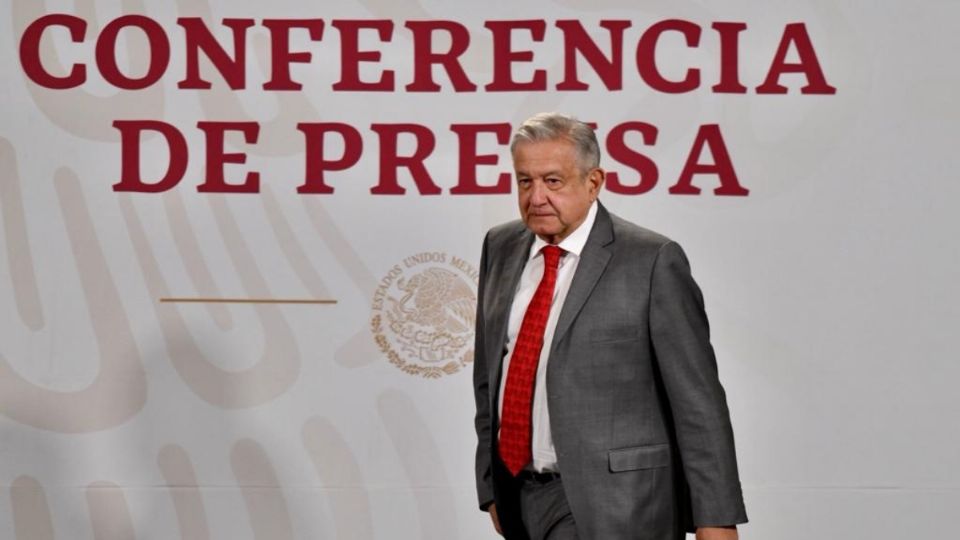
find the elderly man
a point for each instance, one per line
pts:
(599, 412)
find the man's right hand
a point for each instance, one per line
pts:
(493, 515)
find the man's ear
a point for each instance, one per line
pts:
(596, 177)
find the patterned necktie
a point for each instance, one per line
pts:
(515, 428)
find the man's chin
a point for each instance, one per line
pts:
(544, 231)
(543, 223)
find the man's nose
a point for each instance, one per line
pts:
(538, 193)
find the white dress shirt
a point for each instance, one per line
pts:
(544, 455)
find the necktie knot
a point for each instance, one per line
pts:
(551, 256)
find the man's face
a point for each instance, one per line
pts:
(554, 194)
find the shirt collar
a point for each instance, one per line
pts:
(575, 241)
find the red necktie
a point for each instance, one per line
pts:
(515, 428)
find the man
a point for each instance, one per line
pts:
(599, 412)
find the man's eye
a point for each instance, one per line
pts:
(554, 182)
(523, 182)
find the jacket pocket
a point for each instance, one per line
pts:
(639, 457)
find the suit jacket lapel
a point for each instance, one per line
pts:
(515, 257)
(593, 261)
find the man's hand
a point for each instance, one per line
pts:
(493, 515)
(717, 533)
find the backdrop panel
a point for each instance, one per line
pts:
(240, 245)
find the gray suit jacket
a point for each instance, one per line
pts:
(638, 416)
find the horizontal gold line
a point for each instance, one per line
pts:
(247, 300)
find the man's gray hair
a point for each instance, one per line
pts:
(552, 126)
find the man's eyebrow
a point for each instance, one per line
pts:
(548, 173)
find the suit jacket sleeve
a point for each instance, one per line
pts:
(481, 393)
(681, 342)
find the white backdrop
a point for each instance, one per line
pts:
(831, 287)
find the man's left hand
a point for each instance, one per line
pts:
(717, 533)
